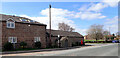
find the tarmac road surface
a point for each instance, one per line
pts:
(95, 50)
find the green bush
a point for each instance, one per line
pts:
(8, 46)
(38, 44)
(23, 44)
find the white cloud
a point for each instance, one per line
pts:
(111, 3)
(58, 15)
(89, 15)
(81, 31)
(93, 10)
(112, 24)
(105, 3)
(97, 7)
(57, 12)
(83, 8)
(112, 21)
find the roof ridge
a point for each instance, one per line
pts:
(16, 16)
(64, 33)
(61, 30)
(17, 19)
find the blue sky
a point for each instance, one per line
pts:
(79, 15)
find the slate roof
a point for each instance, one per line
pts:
(64, 33)
(4, 17)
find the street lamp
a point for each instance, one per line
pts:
(58, 40)
(29, 25)
(58, 36)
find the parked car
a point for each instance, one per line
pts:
(115, 41)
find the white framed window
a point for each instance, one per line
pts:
(36, 39)
(12, 39)
(10, 23)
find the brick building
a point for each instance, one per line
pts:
(66, 39)
(16, 29)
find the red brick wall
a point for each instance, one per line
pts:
(23, 32)
(74, 40)
(70, 40)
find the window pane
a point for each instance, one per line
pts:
(14, 40)
(10, 39)
(24, 20)
(36, 39)
(39, 38)
(31, 21)
(8, 24)
(12, 24)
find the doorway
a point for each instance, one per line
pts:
(66, 43)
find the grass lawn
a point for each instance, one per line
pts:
(97, 43)
(93, 40)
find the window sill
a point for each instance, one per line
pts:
(10, 27)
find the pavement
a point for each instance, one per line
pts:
(94, 50)
(41, 50)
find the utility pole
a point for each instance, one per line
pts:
(50, 24)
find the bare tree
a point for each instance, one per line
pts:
(95, 32)
(65, 27)
(72, 29)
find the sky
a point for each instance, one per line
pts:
(79, 15)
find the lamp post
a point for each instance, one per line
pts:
(59, 41)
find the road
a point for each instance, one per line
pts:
(95, 50)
